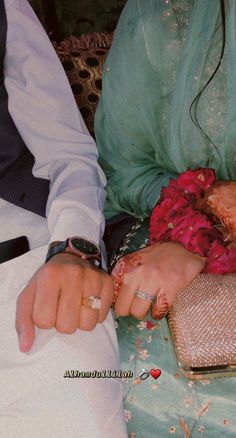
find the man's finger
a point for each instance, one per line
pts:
(68, 309)
(24, 323)
(46, 298)
(106, 298)
(88, 318)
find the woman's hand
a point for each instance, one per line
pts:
(220, 201)
(161, 271)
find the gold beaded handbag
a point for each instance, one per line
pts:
(202, 322)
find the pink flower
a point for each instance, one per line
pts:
(188, 227)
(196, 181)
(175, 218)
(173, 190)
(224, 264)
(162, 215)
(202, 241)
(217, 249)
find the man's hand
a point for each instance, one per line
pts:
(53, 297)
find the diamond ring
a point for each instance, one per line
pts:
(92, 302)
(144, 296)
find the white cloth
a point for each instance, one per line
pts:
(35, 400)
(44, 110)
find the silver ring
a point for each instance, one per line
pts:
(92, 302)
(144, 296)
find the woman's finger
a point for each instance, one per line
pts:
(126, 294)
(161, 306)
(146, 293)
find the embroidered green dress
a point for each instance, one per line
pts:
(164, 52)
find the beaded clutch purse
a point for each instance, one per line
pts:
(203, 326)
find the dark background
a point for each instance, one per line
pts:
(63, 18)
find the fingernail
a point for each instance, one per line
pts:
(23, 344)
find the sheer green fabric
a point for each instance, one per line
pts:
(164, 52)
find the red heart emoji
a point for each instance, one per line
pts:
(155, 373)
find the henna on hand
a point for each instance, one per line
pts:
(124, 266)
(160, 307)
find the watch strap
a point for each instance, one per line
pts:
(56, 248)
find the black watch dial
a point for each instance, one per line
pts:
(86, 247)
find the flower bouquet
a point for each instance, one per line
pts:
(200, 213)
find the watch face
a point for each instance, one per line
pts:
(85, 247)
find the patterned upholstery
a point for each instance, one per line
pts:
(83, 59)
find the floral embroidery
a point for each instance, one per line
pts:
(151, 326)
(131, 357)
(188, 402)
(138, 343)
(202, 410)
(143, 354)
(132, 399)
(205, 382)
(128, 415)
(185, 428)
(142, 325)
(136, 381)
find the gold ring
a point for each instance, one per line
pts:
(92, 302)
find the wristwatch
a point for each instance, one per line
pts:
(83, 248)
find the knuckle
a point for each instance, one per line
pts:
(121, 311)
(43, 322)
(138, 314)
(65, 328)
(87, 326)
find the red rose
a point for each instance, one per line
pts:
(224, 264)
(202, 241)
(172, 191)
(196, 181)
(188, 226)
(175, 218)
(217, 249)
(163, 216)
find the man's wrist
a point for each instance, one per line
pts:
(77, 245)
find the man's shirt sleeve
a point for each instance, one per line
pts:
(43, 108)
